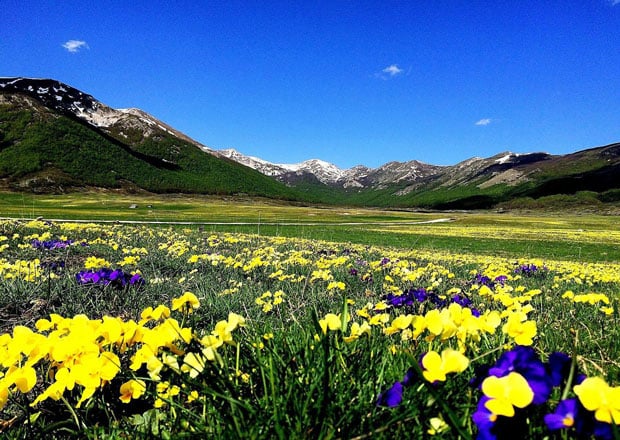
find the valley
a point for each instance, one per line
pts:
(56, 139)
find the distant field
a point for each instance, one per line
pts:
(184, 208)
(585, 237)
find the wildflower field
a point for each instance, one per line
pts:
(135, 331)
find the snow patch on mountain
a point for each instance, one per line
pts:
(324, 171)
(68, 100)
(260, 165)
(506, 158)
(327, 173)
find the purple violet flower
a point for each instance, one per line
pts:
(526, 362)
(564, 415)
(484, 420)
(420, 294)
(558, 366)
(106, 276)
(51, 244)
(501, 279)
(392, 397)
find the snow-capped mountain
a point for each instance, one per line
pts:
(69, 140)
(324, 171)
(68, 100)
(327, 173)
(267, 168)
(131, 122)
(505, 168)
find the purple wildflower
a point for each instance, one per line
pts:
(420, 294)
(461, 300)
(484, 420)
(529, 269)
(105, 276)
(136, 280)
(398, 300)
(51, 244)
(564, 415)
(526, 362)
(438, 301)
(391, 397)
(483, 280)
(492, 427)
(558, 367)
(570, 414)
(501, 279)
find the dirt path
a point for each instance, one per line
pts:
(140, 222)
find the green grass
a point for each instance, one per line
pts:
(184, 208)
(300, 383)
(538, 236)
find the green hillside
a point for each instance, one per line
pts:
(45, 152)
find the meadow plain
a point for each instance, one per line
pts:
(254, 319)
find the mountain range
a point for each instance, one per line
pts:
(55, 138)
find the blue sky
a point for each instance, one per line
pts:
(349, 82)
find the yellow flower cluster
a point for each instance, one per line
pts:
(268, 300)
(500, 232)
(82, 354)
(96, 263)
(590, 298)
(27, 270)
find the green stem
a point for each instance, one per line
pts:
(501, 347)
(237, 363)
(76, 419)
(450, 415)
(571, 373)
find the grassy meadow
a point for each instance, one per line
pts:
(253, 319)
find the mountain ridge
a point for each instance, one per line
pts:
(71, 101)
(40, 144)
(55, 138)
(361, 176)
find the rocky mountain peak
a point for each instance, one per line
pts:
(359, 176)
(52, 94)
(70, 101)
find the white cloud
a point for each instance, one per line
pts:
(392, 70)
(74, 46)
(484, 121)
(389, 72)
